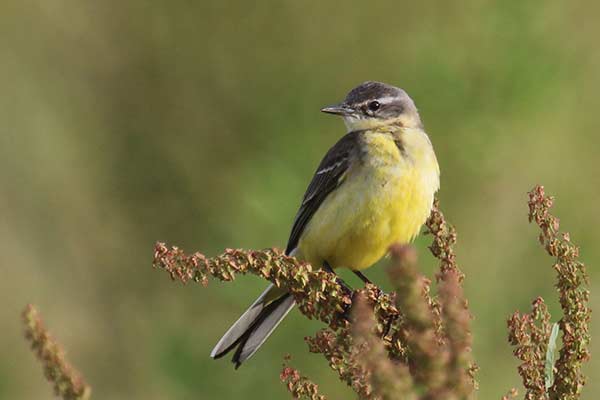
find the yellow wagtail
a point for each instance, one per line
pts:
(373, 188)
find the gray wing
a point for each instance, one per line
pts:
(328, 177)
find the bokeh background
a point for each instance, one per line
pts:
(197, 123)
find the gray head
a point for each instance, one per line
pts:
(375, 104)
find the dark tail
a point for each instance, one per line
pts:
(251, 330)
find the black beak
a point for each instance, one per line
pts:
(338, 109)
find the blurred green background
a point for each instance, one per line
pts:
(197, 123)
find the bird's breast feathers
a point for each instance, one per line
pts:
(385, 198)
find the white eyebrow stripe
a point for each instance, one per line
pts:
(381, 100)
(386, 100)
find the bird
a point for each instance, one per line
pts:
(373, 188)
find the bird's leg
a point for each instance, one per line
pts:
(339, 280)
(390, 320)
(367, 281)
(349, 291)
(362, 277)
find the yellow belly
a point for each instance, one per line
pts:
(385, 201)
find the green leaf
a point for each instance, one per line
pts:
(549, 366)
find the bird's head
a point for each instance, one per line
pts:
(373, 105)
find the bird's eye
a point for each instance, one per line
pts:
(374, 105)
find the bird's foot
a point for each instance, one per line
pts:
(346, 289)
(346, 314)
(388, 325)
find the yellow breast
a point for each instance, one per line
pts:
(385, 198)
